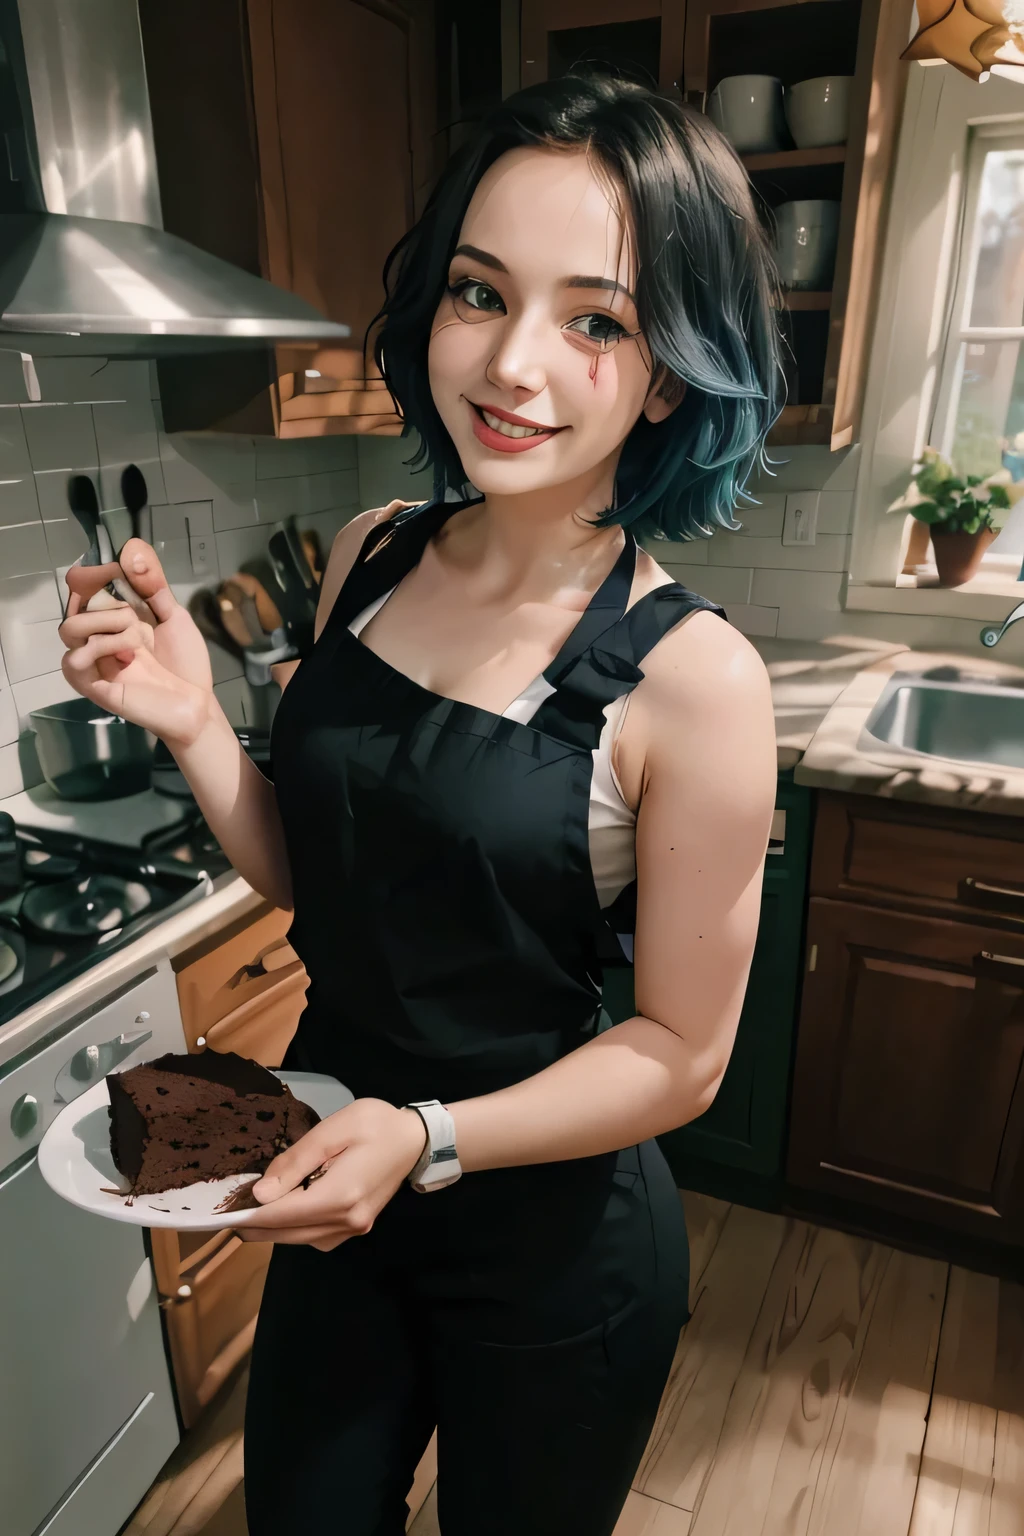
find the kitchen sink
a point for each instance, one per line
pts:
(949, 714)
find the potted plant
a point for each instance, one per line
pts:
(957, 511)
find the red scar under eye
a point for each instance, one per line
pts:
(593, 370)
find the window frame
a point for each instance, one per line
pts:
(944, 115)
(960, 332)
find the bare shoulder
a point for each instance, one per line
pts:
(348, 541)
(703, 663)
(703, 683)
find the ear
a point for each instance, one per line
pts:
(666, 393)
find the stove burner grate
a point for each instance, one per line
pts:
(84, 909)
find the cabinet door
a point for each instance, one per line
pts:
(237, 971)
(210, 1306)
(907, 1088)
(341, 120)
(643, 38)
(745, 1126)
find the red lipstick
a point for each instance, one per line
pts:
(491, 438)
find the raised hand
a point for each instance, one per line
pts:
(156, 675)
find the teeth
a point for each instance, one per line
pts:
(508, 428)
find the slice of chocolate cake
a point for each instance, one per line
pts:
(181, 1119)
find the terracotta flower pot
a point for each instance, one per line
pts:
(958, 555)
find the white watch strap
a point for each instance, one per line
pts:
(439, 1163)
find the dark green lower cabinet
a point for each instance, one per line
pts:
(740, 1139)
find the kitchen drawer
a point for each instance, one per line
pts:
(954, 864)
(263, 1027)
(211, 1318)
(235, 969)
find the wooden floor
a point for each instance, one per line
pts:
(824, 1386)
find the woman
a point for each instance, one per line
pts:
(580, 328)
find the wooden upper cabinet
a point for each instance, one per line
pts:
(643, 38)
(828, 333)
(296, 138)
(688, 48)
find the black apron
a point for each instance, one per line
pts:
(445, 910)
(445, 907)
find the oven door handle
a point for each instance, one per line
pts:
(92, 1062)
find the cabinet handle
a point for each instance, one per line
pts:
(984, 894)
(273, 959)
(995, 964)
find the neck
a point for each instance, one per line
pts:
(540, 536)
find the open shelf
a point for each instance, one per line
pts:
(804, 298)
(795, 159)
(801, 424)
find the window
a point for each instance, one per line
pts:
(979, 412)
(947, 356)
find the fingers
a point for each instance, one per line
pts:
(77, 628)
(80, 661)
(141, 566)
(303, 1157)
(84, 581)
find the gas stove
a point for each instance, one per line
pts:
(66, 901)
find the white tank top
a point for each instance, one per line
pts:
(612, 823)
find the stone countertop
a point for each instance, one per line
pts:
(807, 678)
(836, 759)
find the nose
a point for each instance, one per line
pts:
(518, 360)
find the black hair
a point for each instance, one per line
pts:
(706, 295)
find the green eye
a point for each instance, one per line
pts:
(602, 330)
(472, 293)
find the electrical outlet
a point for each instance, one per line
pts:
(801, 521)
(201, 551)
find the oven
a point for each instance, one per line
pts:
(87, 1413)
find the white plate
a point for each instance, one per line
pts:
(75, 1160)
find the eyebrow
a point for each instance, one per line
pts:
(486, 259)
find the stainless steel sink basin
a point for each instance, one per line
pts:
(949, 714)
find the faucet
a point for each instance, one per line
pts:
(992, 637)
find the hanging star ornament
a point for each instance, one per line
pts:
(978, 37)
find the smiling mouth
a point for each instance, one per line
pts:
(511, 429)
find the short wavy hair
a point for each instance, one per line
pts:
(707, 295)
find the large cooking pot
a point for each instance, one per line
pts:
(88, 754)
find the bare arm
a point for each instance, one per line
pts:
(702, 835)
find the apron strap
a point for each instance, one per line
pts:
(610, 665)
(389, 552)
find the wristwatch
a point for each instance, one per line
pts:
(439, 1165)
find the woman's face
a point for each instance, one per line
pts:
(537, 367)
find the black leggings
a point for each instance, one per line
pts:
(531, 1314)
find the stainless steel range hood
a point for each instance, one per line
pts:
(85, 266)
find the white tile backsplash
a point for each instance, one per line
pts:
(751, 620)
(18, 501)
(59, 436)
(15, 463)
(829, 552)
(23, 549)
(126, 433)
(718, 583)
(234, 505)
(9, 726)
(37, 692)
(12, 780)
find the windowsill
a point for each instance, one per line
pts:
(989, 595)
